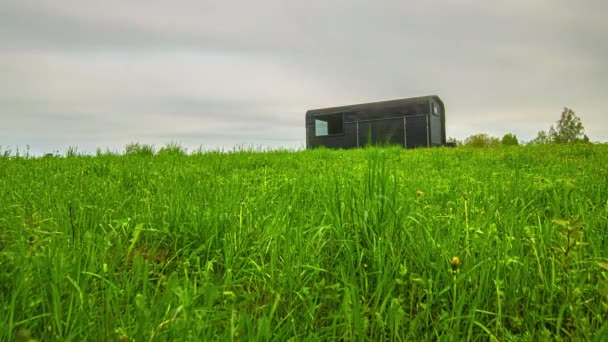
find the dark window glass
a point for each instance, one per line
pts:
(329, 124)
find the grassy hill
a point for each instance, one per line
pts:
(369, 244)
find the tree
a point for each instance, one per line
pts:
(569, 128)
(481, 140)
(509, 139)
(541, 139)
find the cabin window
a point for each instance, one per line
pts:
(329, 124)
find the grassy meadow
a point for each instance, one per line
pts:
(369, 244)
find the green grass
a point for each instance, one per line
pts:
(310, 245)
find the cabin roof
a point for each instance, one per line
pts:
(380, 104)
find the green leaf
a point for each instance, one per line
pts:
(135, 236)
(603, 265)
(561, 223)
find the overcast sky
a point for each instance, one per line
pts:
(227, 73)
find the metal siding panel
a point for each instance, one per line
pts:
(383, 132)
(346, 140)
(441, 106)
(416, 131)
(435, 131)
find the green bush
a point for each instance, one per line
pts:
(139, 149)
(481, 140)
(509, 139)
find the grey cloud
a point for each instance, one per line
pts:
(176, 69)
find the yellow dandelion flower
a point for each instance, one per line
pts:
(455, 263)
(419, 193)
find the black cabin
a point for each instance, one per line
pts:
(413, 122)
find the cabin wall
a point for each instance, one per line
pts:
(382, 123)
(441, 113)
(346, 140)
(435, 127)
(382, 132)
(416, 131)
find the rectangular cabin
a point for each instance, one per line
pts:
(412, 122)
